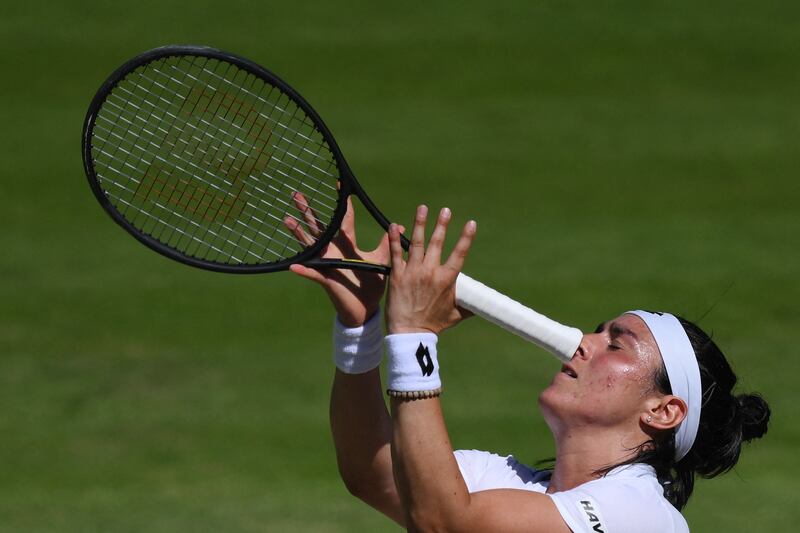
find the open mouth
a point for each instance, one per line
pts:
(568, 370)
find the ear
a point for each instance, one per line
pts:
(665, 412)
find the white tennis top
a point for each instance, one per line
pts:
(628, 499)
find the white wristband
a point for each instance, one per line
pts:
(413, 365)
(358, 350)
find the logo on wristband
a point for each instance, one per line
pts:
(424, 360)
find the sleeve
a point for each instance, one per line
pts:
(489, 471)
(609, 507)
(477, 466)
(472, 464)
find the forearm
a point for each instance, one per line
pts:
(360, 422)
(362, 430)
(431, 487)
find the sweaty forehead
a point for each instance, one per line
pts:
(639, 328)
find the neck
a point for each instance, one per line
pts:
(581, 452)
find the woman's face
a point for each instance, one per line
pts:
(608, 379)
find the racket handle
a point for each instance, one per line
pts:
(558, 339)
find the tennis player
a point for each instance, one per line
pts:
(644, 406)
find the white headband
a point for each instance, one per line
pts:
(682, 369)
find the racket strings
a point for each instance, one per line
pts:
(267, 102)
(225, 143)
(185, 151)
(149, 189)
(227, 153)
(276, 122)
(307, 139)
(209, 171)
(170, 212)
(181, 200)
(192, 236)
(205, 133)
(281, 172)
(198, 227)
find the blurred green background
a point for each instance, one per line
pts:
(616, 155)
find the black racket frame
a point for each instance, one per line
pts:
(348, 185)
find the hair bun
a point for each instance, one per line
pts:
(754, 414)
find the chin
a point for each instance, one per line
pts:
(557, 405)
(553, 394)
(548, 404)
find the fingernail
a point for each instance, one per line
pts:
(290, 222)
(422, 210)
(472, 225)
(444, 214)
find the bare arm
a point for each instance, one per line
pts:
(360, 422)
(431, 488)
(362, 433)
(434, 493)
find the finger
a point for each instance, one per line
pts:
(308, 214)
(459, 253)
(381, 253)
(434, 252)
(348, 226)
(308, 273)
(416, 251)
(396, 249)
(297, 229)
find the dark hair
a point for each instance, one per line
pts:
(726, 422)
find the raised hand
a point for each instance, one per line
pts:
(355, 295)
(422, 289)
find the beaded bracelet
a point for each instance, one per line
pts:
(414, 394)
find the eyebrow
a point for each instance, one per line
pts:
(616, 330)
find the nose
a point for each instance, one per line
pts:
(587, 346)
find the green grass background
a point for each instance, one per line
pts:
(616, 155)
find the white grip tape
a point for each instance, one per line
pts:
(558, 339)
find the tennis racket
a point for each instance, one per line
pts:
(201, 155)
